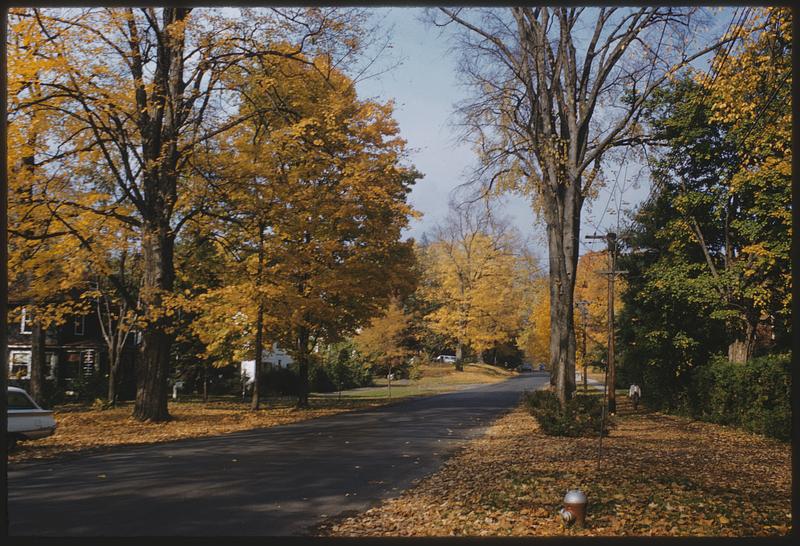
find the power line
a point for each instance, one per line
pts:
(763, 109)
(713, 73)
(726, 52)
(616, 181)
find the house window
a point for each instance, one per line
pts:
(25, 322)
(19, 365)
(80, 325)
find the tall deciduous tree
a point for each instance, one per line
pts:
(475, 281)
(140, 92)
(315, 202)
(724, 161)
(749, 98)
(547, 109)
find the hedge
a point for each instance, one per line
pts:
(755, 396)
(580, 417)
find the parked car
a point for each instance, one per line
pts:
(445, 358)
(525, 368)
(26, 420)
(541, 367)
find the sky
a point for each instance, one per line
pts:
(425, 87)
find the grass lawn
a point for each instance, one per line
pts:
(436, 379)
(83, 427)
(659, 475)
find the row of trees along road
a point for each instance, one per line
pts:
(127, 125)
(475, 290)
(548, 106)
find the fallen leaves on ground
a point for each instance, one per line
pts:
(81, 427)
(659, 475)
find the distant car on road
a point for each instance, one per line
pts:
(445, 358)
(26, 420)
(541, 367)
(525, 368)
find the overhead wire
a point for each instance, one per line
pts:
(713, 73)
(616, 180)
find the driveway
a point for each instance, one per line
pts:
(275, 481)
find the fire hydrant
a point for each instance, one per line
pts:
(574, 510)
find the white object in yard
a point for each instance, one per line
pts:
(276, 357)
(26, 420)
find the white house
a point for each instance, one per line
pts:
(276, 357)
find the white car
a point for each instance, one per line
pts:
(26, 420)
(445, 358)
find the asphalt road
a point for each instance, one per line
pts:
(276, 481)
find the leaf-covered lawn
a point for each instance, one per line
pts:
(659, 475)
(83, 428)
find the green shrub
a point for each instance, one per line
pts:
(582, 415)
(755, 396)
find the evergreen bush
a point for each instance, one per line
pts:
(581, 416)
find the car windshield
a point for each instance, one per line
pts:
(18, 401)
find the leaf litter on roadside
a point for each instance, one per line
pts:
(659, 475)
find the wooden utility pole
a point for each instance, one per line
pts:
(611, 240)
(582, 308)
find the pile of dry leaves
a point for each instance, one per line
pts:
(82, 428)
(659, 475)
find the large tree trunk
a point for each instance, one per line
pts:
(205, 382)
(255, 402)
(159, 124)
(302, 366)
(562, 236)
(113, 367)
(460, 356)
(741, 348)
(151, 384)
(38, 362)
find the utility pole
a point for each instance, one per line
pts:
(611, 240)
(582, 308)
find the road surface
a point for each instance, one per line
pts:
(277, 481)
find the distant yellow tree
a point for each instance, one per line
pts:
(592, 287)
(534, 339)
(381, 340)
(475, 272)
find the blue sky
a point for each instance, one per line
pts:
(425, 88)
